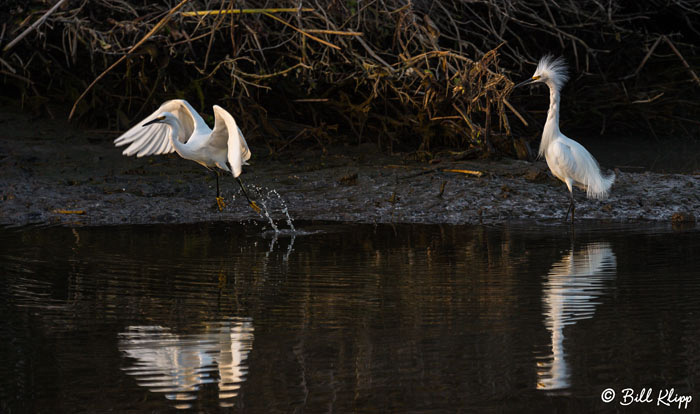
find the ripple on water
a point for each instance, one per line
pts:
(353, 317)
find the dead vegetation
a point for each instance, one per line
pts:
(409, 75)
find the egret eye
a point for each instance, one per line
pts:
(536, 77)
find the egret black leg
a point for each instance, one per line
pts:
(219, 200)
(572, 208)
(245, 193)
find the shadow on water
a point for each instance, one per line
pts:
(330, 317)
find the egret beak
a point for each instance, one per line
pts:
(154, 121)
(526, 82)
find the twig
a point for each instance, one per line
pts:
(33, 26)
(464, 116)
(12, 75)
(648, 100)
(467, 172)
(442, 189)
(160, 24)
(8, 66)
(644, 61)
(687, 66)
(520, 117)
(554, 23)
(211, 40)
(243, 11)
(311, 100)
(78, 212)
(374, 55)
(272, 75)
(334, 32)
(301, 31)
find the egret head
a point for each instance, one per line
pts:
(550, 71)
(162, 118)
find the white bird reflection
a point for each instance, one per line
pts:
(569, 295)
(177, 365)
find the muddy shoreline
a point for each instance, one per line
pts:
(53, 173)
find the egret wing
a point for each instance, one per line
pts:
(227, 135)
(245, 151)
(155, 138)
(587, 172)
(563, 163)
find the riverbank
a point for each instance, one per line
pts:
(53, 173)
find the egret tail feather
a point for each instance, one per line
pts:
(598, 185)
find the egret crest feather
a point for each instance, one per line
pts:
(553, 70)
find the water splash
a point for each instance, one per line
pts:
(272, 244)
(267, 214)
(270, 197)
(285, 210)
(290, 248)
(264, 210)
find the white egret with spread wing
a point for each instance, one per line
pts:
(568, 160)
(176, 126)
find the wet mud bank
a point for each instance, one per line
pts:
(52, 173)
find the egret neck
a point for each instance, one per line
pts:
(551, 127)
(181, 148)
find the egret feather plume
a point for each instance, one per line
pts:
(553, 70)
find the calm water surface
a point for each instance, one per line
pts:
(343, 318)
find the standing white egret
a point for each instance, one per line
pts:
(568, 160)
(176, 126)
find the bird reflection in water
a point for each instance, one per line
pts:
(177, 365)
(569, 295)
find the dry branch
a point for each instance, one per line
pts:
(329, 44)
(34, 25)
(685, 63)
(466, 172)
(243, 11)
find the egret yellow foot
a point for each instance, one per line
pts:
(220, 203)
(255, 207)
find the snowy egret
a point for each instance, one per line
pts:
(176, 126)
(568, 160)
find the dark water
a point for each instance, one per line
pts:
(346, 318)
